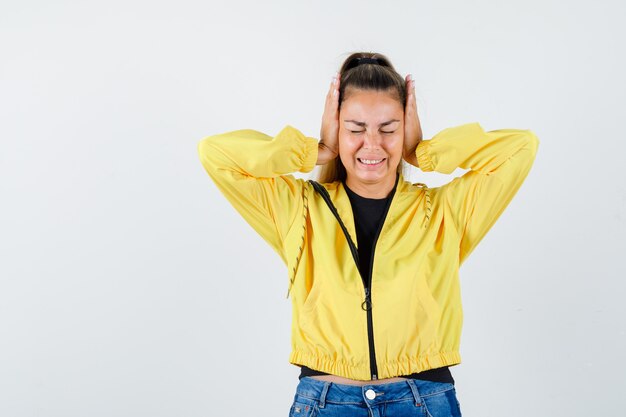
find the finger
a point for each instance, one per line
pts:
(331, 86)
(330, 96)
(408, 90)
(333, 98)
(410, 85)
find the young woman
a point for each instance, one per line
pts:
(373, 259)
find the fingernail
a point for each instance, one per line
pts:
(335, 92)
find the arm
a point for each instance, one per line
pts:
(499, 162)
(251, 170)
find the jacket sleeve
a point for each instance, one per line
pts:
(498, 162)
(251, 169)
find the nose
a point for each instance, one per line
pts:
(372, 140)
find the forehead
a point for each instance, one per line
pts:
(365, 105)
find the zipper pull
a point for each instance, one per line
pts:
(367, 304)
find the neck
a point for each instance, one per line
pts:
(380, 189)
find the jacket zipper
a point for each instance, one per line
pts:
(370, 332)
(367, 303)
(368, 294)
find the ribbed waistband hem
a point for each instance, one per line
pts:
(385, 370)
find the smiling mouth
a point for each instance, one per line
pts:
(371, 162)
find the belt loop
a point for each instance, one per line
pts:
(416, 394)
(323, 394)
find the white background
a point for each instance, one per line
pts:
(130, 287)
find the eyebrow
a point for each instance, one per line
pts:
(365, 124)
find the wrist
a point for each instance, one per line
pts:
(325, 154)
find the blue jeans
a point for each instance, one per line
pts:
(409, 398)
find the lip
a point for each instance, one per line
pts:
(370, 166)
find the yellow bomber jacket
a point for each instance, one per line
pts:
(415, 314)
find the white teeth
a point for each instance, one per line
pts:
(370, 161)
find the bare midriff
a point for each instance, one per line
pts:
(342, 380)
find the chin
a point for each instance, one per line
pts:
(371, 176)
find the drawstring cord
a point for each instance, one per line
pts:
(305, 198)
(428, 205)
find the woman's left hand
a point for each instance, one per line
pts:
(412, 127)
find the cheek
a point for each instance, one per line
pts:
(395, 145)
(344, 152)
(348, 146)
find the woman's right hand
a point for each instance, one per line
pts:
(329, 133)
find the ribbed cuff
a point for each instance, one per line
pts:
(422, 154)
(310, 154)
(305, 147)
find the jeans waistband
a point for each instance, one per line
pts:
(327, 391)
